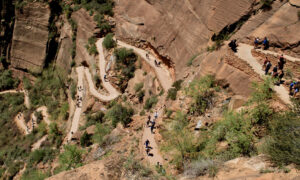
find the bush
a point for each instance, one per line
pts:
(151, 102)
(108, 41)
(39, 116)
(141, 95)
(191, 60)
(100, 132)
(138, 86)
(201, 167)
(41, 155)
(7, 81)
(177, 84)
(262, 91)
(73, 91)
(71, 157)
(119, 113)
(172, 93)
(135, 167)
(85, 139)
(55, 135)
(283, 146)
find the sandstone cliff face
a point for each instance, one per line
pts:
(86, 27)
(177, 29)
(64, 57)
(30, 37)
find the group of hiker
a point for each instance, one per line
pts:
(78, 98)
(277, 71)
(264, 42)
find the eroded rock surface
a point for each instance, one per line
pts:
(30, 37)
(177, 29)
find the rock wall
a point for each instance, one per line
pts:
(177, 29)
(86, 28)
(30, 37)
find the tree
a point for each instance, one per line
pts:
(119, 113)
(71, 157)
(85, 139)
(108, 41)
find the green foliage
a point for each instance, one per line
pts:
(283, 145)
(92, 119)
(55, 135)
(41, 155)
(138, 87)
(177, 84)
(7, 81)
(34, 174)
(119, 113)
(71, 157)
(108, 41)
(39, 116)
(191, 60)
(50, 90)
(26, 83)
(150, 102)
(201, 92)
(125, 65)
(172, 94)
(261, 114)
(91, 46)
(97, 80)
(135, 167)
(85, 139)
(100, 132)
(141, 95)
(73, 90)
(262, 91)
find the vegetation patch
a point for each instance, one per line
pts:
(7, 81)
(150, 102)
(91, 46)
(119, 113)
(108, 41)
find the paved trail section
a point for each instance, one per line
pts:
(155, 150)
(244, 53)
(162, 74)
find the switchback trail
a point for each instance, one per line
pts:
(244, 53)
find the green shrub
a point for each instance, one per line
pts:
(172, 93)
(191, 60)
(39, 116)
(55, 135)
(41, 155)
(34, 174)
(177, 84)
(151, 102)
(73, 91)
(71, 157)
(283, 146)
(100, 132)
(262, 91)
(85, 139)
(261, 114)
(138, 87)
(108, 41)
(7, 81)
(141, 95)
(119, 113)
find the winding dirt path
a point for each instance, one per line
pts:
(162, 73)
(26, 96)
(244, 53)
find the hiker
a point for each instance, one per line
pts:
(148, 151)
(281, 62)
(281, 76)
(233, 45)
(147, 55)
(275, 69)
(265, 62)
(148, 121)
(155, 62)
(152, 126)
(268, 67)
(292, 86)
(159, 63)
(256, 42)
(266, 43)
(155, 115)
(147, 142)
(296, 88)
(105, 77)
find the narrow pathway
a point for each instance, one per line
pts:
(162, 74)
(155, 150)
(37, 145)
(20, 121)
(244, 53)
(26, 96)
(77, 113)
(287, 57)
